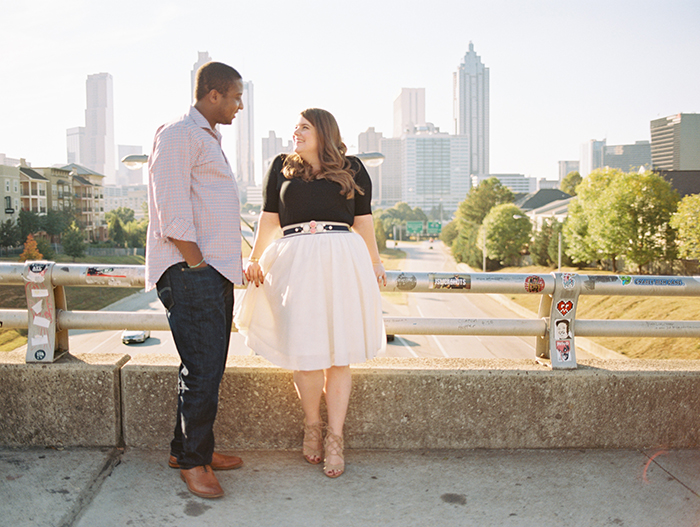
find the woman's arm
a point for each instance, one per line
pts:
(364, 226)
(268, 224)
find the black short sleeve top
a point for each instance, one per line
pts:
(299, 201)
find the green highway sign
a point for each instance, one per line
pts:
(434, 228)
(414, 227)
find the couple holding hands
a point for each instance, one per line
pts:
(312, 304)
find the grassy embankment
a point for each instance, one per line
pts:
(78, 298)
(629, 308)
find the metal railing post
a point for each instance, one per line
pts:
(562, 318)
(45, 343)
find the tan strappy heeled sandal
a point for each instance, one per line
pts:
(333, 445)
(312, 448)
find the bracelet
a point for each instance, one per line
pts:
(379, 262)
(251, 259)
(195, 266)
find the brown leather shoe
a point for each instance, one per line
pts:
(202, 482)
(218, 462)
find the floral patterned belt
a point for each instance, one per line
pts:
(315, 227)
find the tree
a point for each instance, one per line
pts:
(539, 248)
(125, 214)
(465, 247)
(482, 198)
(507, 233)
(116, 230)
(74, 241)
(29, 223)
(639, 208)
(9, 234)
(30, 250)
(585, 236)
(553, 248)
(570, 182)
(56, 221)
(686, 222)
(379, 233)
(398, 215)
(135, 233)
(44, 247)
(449, 232)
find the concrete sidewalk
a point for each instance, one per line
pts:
(113, 487)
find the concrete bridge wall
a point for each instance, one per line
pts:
(112, 400)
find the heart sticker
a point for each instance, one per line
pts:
(564, 307)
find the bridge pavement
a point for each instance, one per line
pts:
(542, 488)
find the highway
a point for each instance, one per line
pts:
(419, 258)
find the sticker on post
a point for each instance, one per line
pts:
(562, 329)
(36, 272)
(109, 276)
(406, 282)
(564, 350)
(568, 281)
(565, 306)
(448, 281)
(534, 284)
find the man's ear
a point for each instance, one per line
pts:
(213, 96)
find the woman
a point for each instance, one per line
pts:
(313, 302)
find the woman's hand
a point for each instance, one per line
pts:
(254, 273)
(380, 273)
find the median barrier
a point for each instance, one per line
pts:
(90, 400)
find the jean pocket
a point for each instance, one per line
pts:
(165, 292)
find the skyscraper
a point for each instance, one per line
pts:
(592, 156)
(371, 141)
(245, 148)
(471, 109)
(75, 144)
(99, 127)
(271, 146)
(675, 142)
(409, 110)
(202, 58)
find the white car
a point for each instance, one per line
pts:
(135, 336)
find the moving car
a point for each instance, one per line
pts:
(130, 336)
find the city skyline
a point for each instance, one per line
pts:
(559, 75)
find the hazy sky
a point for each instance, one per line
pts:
(562, 72)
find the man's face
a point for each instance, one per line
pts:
(230, 104)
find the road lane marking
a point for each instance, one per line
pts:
(440, 347)
(405, 345)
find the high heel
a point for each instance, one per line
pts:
(333, 445)
(312, 448)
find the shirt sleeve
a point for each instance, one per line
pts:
(171, 172)
(271, 195)
(363, 202)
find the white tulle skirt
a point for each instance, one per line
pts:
(319, 306)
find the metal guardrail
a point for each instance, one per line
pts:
(48, 319)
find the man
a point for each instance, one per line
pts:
(193, 257)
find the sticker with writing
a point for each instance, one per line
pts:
(448, 281)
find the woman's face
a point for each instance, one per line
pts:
(305, 140)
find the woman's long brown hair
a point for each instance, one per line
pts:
(331, 153)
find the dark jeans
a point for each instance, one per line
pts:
(199, 303)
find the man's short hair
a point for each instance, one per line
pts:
(214, 76)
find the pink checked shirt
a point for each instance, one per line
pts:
(192, 196)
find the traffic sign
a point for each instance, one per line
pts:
(434, 228)
(414, 227)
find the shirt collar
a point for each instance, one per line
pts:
(202, 122)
